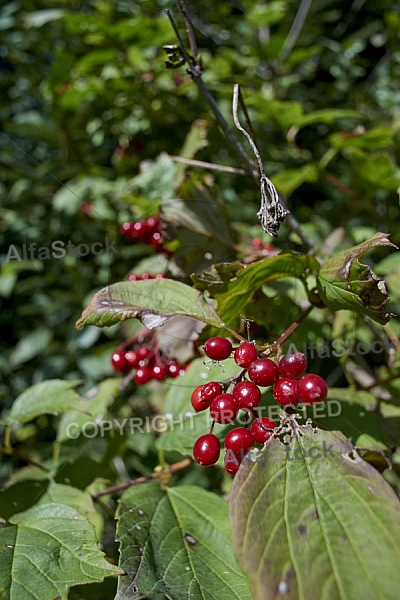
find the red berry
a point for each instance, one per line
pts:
(197, 401)
(245, 354)
(223, 409)
(210, 391)
(134, 277)
(239, 440)
(146, 276)
(206, 450)
(247, 395)
(142, 375)
(142, 231)
(312, 389)
(293, 364)
(285, 392)
(258, 429)
(218, 348)
(127, 230)
(174, 368)
(263, 371)
(159, 371)
(132, 357)
(153, 223)
(144, 352)
(119, 362)
(231, 462)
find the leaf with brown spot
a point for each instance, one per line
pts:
(323, 527)
(154, 302)
(345, 283)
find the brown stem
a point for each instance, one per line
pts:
(237, 147)
(123, 486)
(380, 382)
(206, 165)
(289, 331)
(189, 29)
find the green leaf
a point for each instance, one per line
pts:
(379, 137)
(315, 527)
(290, 179)
(30, 346)
(326, 115)
(269, 14)
(93, 406)
(345, 283)
(154, 302)
(361, 419)
(242, 286)
(48, 549)
(48, 397)
(80, 500)
(197, 210)
(177, 542)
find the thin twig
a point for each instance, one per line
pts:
(123, 486)
(295, 29)
(189, 29)
(272, 213)
(246, 115)
(196, 75)
(232, 139)
(207, 165)
(289, 331)
(380, 382)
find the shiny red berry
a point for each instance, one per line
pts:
(142, 232)
(128, 231)
(293, 364)
(285, 392)
(206, 450)
(211, 390)
(197, 401)
(223, 409)
(231, 462)
(153, 223)
(312, 389)
(119, 362)
(132, 357)
(142, 375)
(144, 352)
(245, 354)
(247, 395)
(174, 368)
(159, 371)
(259, 429)
(218, 348)
(263, 371)
(239, 440)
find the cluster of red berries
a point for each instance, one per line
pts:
(148, 231)
(145, 276)
(149, 364)
(290, 387)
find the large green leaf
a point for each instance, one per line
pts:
(177, 542)
(46, 550)
(93, 406)
(154, 302)
(48, 397)
(315, 522)
(344, 283)
(235, 287)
